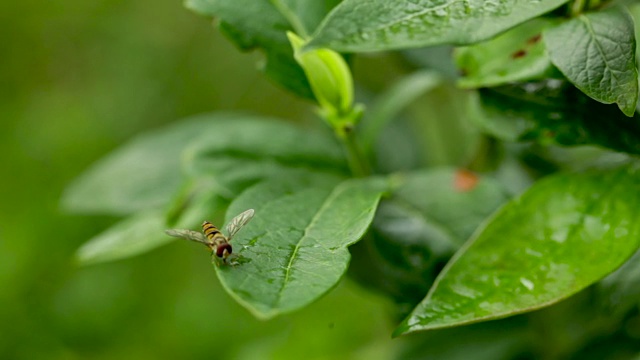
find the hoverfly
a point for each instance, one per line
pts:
(214, 239)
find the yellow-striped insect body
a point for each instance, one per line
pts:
(214, 239)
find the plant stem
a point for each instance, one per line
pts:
(291, 17)
(577, 7)
(357, 161)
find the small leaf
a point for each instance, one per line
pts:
(133, 236)
(596, 52)
(516, 55)
(295, 248)
(378, 25)
(144, 173)
(244, 151)
(554, 112)
(565, 233)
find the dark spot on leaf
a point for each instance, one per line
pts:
(518, 54)
(463, 72)
(465, 180)
(534, 39)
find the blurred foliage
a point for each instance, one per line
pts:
(79, 78)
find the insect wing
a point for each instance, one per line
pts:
(187, 234)
(238, 222)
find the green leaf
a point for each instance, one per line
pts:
(133, 236)
(554, 112)
(377, 25)
(596, 52)
(455, 200)
(505, 339)
(620, 291)
(416, 231)
(262, 24)
(244, 151)
(516, 55)
(143, 174)
(565, 233)
(329, 76)
(389, 104)
(295, 248)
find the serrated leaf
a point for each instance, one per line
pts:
(242, 152)
(262, 24)
(517, 55)
(378, 25)
(554, 112)
(295, 248)
(596, 52)
(565, 233)
(144, 173)
(133, 236)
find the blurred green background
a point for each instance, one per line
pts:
(78, 79)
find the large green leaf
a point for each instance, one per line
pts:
(144, 173)
(554, 112)
(565, 233)
(517, 55)
(375, 25)
(262, 24)
(244, 151)
(295, 248)
(597, 53)
(132, 236)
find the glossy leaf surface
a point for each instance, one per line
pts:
(295, 248)
(596, 52)
(565, 233)
(377, 25)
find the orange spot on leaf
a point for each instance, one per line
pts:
(465, 180)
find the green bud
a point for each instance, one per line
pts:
(329, 77)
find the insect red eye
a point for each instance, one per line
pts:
(220, 250)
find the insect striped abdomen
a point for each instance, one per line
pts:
(210, 231)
